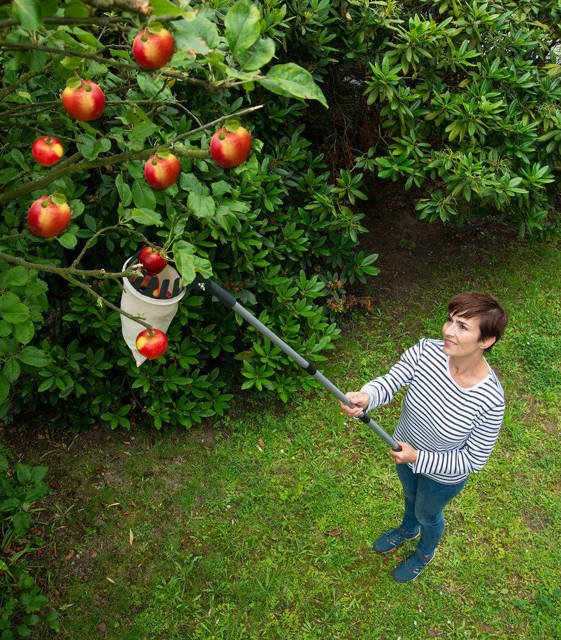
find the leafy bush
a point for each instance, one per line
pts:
(278, 230)
(22, 605)
(467, 96)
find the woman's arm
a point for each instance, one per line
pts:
(381, 390)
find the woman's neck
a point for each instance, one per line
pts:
(469, 370)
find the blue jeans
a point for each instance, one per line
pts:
(424, 501)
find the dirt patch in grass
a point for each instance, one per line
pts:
(410, 249)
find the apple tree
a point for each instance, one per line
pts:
(178, 125)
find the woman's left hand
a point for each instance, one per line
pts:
(407, 453)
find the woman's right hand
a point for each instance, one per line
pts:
(361, 401)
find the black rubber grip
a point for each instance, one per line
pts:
(311, 369)
(225, 297)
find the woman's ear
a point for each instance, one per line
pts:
(487, 343)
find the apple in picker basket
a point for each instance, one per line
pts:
(83, 100)
(47, 150)
(230, 146)
(161, 170)
(152, 260)
(48, 216)
(152, 48)
(151, 343)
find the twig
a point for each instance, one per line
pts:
(64, 272)
(106, 302)
(72, 275)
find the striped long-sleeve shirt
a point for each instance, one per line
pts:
(453, 428)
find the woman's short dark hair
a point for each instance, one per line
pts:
(492, 317)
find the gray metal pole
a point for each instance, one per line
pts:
(229, 300)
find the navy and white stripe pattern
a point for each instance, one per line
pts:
(453, 428)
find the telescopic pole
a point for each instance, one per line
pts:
(228, 299)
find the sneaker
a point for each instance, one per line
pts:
(393, 539)
(411, 568)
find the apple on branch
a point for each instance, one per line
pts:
(230, 146)
(151, 343)
(47, 150)
(153, 260)
(152, 48)
(49, 216)
(83, 100)
(162, 170)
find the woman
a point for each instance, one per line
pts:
(451, 416)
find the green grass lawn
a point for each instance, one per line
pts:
(259, 526)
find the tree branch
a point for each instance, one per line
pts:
(64, 272)
(120, 64)
(71, 166)
(26, 46)
(138, 6)
(106, 302)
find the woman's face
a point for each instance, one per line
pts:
(462, 336)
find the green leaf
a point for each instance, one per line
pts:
(11, 370)
(16, 276)
(27, 12)
(39, 473)
(34, 357)
(6, 329)
(143, 196)
(87, 38)
(150, 85)
(183, 254)
(22, 522)
(24, 331)
(202, 206)
(146, 216)
(258, 55)
(12, 310)
(124, 191)
(23, 473)
(164, 7)
(188, 264)
(242, 26)
(4, 387)
(68, 240)
(293, 81)
(90, 148)
(195, 34)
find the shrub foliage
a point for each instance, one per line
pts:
(278, 230)
(458, 100)
(467, 95)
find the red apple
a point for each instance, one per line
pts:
(152, 48)
(230, 145)
(152, 260)
(161, 170)
(151, 343)
(48, 216)
(83, 100)
(47, 150)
